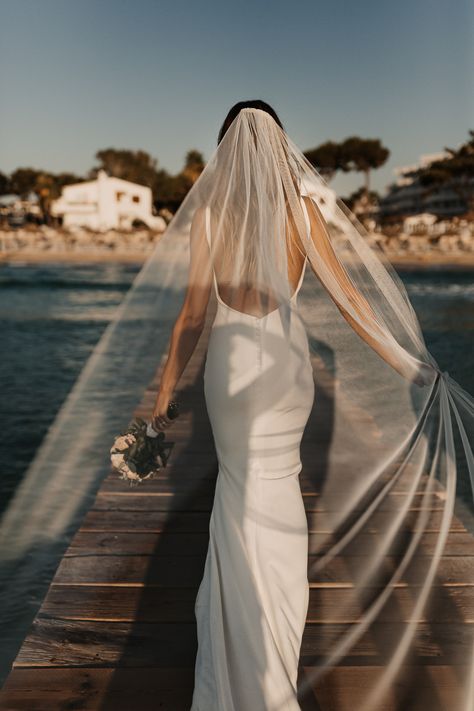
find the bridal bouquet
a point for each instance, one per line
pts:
(140, 452)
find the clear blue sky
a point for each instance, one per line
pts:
(161, 74)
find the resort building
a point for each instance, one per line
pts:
(407, 197)
(106, 203)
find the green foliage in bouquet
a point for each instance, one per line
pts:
(138, 456)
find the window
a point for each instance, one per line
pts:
(119, 195)
(136, 198)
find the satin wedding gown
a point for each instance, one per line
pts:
(252, 601)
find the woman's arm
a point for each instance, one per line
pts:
(362, 319)
(190, 321)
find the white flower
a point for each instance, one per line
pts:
(122, 443)
(117, 459)
(126, 468)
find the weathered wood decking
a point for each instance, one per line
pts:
(116, 630)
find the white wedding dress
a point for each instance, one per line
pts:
(253, 598)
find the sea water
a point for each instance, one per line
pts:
(51, 317)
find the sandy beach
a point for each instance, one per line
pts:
(48, 257)
(406, 262)
(45, 244)
(433, 261)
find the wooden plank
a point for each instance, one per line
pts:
(420, 688)
(459, 542)
(157, 544)
(128, 603)
(188, 521)
(170, 689)
(69, 642)
(193, 499)
(90, 689)
(174, 571)
(120, 603)
(185, 572)
(151, 543)
(114, 484)
(145, 521)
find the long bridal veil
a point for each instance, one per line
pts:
(388, 432)
(387, 427)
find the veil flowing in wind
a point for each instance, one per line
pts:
(379, 452)
(387, 430)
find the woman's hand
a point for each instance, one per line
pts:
(160, 419)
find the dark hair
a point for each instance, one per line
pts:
(254, 104)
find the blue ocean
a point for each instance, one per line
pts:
(51, 317)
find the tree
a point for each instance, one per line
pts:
(4, 184)
(193, 165)
(363, 155)
(135, 166)
(169, 191)
(361, 202)
(62, 179)
(354, 153)
(47, 186)
(326, 158)
(457, 170)
(23, 181)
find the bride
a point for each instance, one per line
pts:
(279, 352)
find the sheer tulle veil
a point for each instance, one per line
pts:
(388, 432)
(380, 453)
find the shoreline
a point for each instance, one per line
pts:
(409, 262)
(69, 258)
(434, 262)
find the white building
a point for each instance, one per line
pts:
(408, 196)
(424, 222)
(106, 203)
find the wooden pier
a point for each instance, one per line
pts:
(116, 630)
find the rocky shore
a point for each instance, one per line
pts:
(48, 244)
(414, 251)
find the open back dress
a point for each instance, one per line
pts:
(253, 598)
